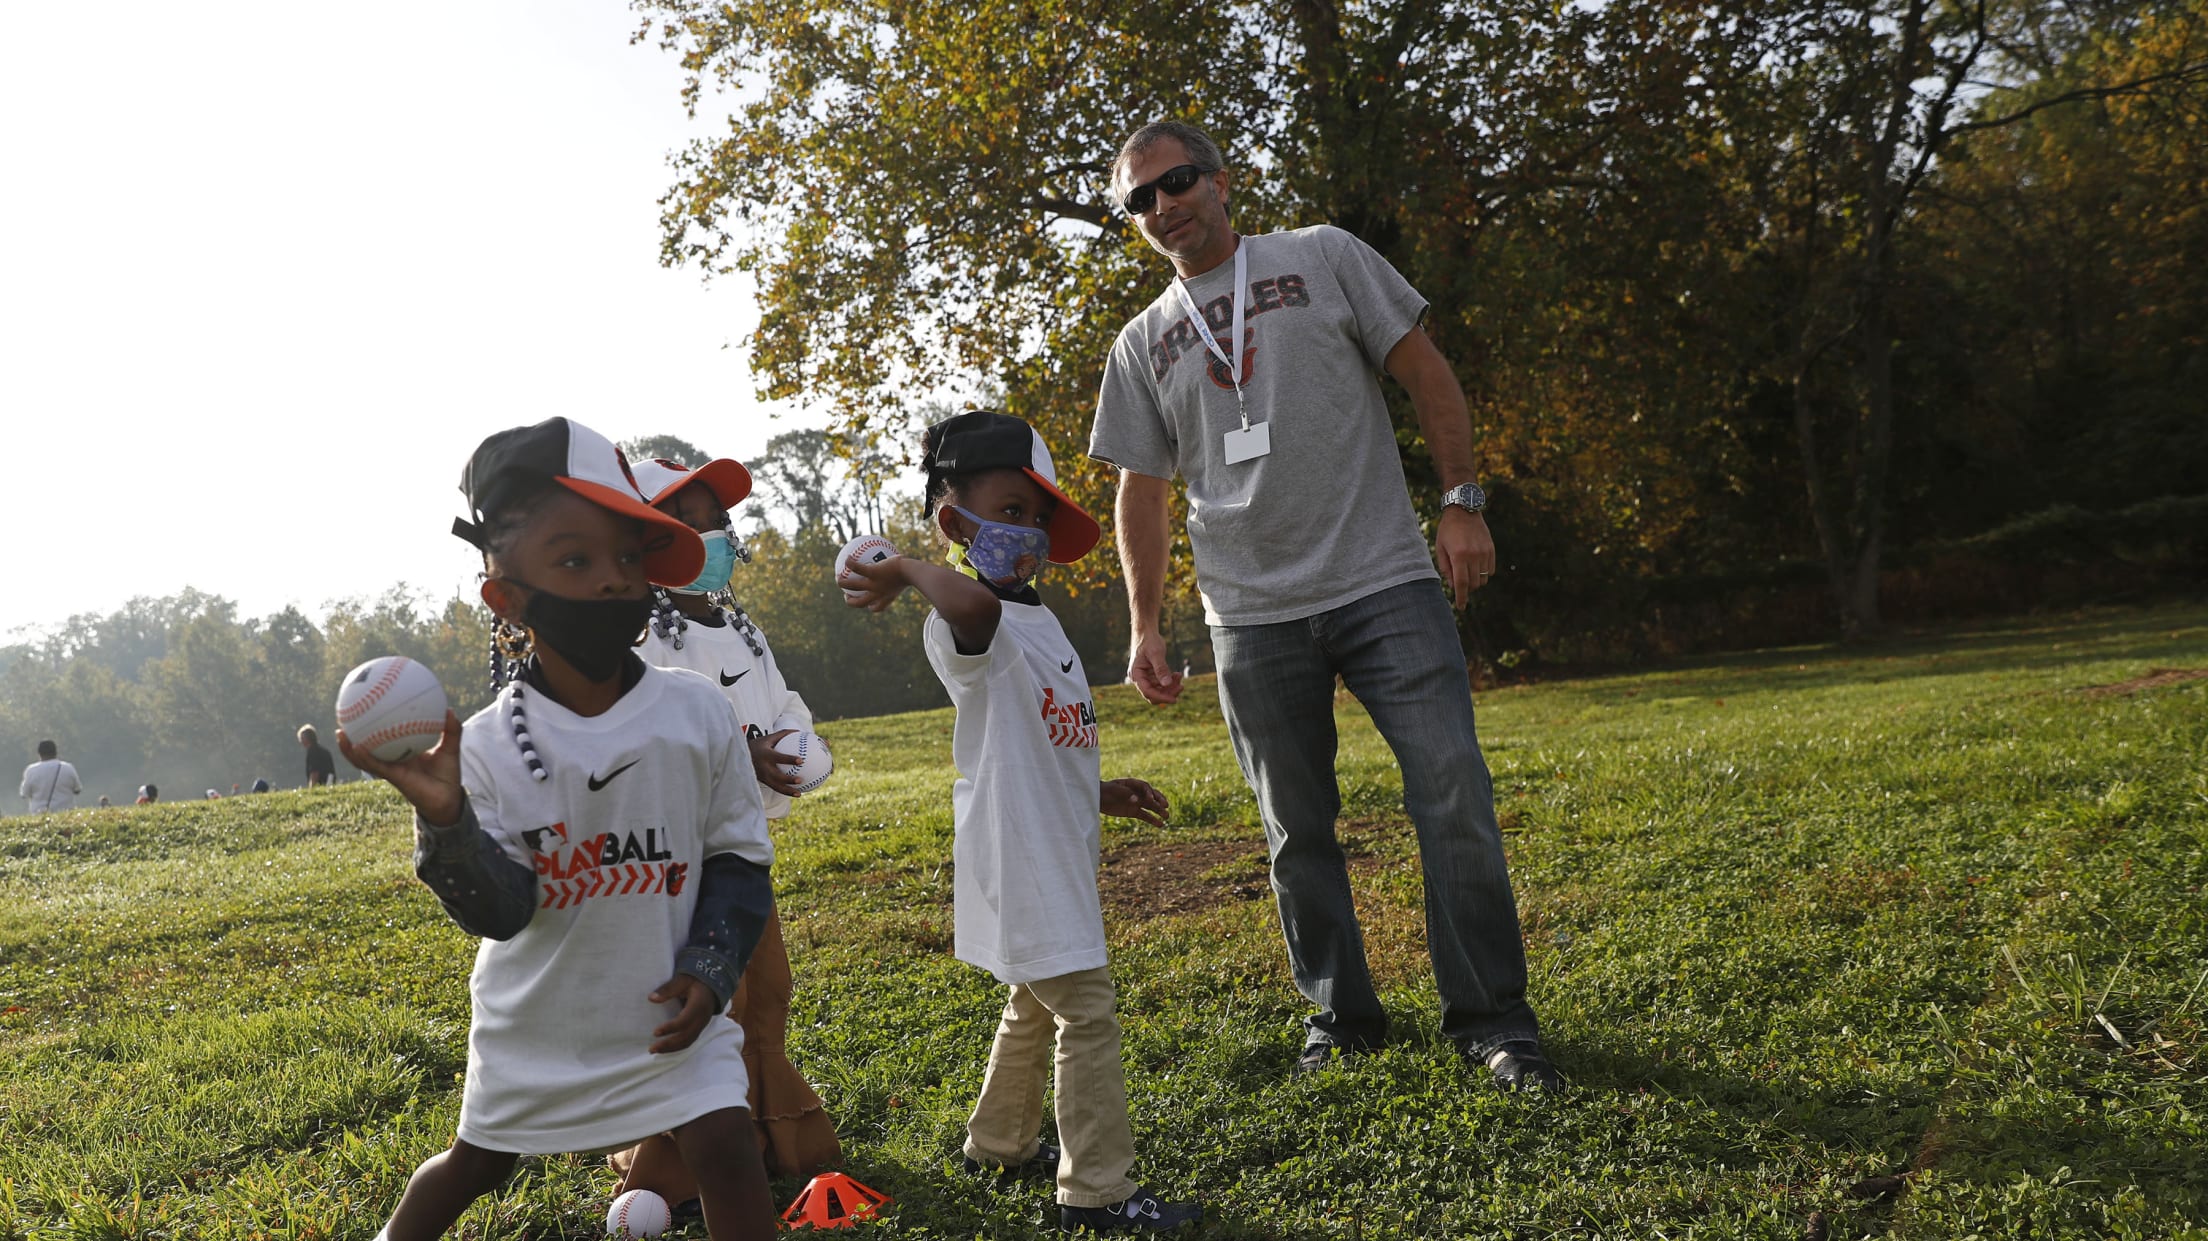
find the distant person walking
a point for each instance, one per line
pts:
(50, 784)
(147, 795)
(1255, 376)
(321, 768)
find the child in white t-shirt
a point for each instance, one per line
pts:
(600, 827)
(698, 625)
(1026, 808)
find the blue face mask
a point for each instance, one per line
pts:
(1007, 555)
(720, 561)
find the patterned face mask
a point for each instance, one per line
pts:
(1006, 555)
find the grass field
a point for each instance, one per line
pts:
(1798, 921)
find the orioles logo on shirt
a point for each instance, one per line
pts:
(607, 864)
(1179, 340)
(1071, 725)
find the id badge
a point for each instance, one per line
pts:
(1249, 443)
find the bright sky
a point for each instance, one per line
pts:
(268, 272)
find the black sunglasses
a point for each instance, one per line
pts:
(1174, 181)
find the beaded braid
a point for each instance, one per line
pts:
(727, 595)
(511, 649)
(743, 553)
(668, 622)
(740, 621)
(521, 737)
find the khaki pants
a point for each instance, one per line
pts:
(1007, 1124)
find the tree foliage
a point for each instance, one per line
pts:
(1691, 262)
(664, 447)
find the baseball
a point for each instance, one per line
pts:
(815, 764)
(866, 549)
(391, 707)
(637, 1213)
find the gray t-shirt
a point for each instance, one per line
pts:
(1322, 520)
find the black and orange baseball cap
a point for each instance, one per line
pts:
(726, 477)
(521, 461)
(983, 439)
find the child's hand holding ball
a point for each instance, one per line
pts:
(408, 734)
(867, 571)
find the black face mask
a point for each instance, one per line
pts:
(591, 634)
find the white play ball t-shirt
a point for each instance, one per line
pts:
(636, 800)
(752, 684)
(1025, 804)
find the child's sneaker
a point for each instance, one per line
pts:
(1145, 1212)
(1042, 1165)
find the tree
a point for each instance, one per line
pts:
(966, 153)
(838, 491)
(2075, 235)
(1865, 98)
(664, 447)
(1645, 228)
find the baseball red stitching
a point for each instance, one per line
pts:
(375, 692)
(392, 732)
(620, 1220)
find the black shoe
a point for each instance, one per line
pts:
(1145, 1212)
(1519, 1065)
(1043, 1165)
(1316, 1056)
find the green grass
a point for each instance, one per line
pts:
(1795, 919)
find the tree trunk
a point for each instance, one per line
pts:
(1867, 515)
(1832, 541)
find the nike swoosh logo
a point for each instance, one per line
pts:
(731, 680)
(596, 783)
(1066, 666)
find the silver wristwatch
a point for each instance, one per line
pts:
(1466, 496)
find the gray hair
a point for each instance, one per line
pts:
(1202, 151)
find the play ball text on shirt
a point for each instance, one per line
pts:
(391, 707)
(866, 549)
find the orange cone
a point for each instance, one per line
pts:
(833, 1200)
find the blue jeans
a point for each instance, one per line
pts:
(1397, 651)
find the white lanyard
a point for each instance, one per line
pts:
(1204, 332)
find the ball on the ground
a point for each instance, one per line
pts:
(640, 1212)
(866, 549)
(391, 707)
(814, 763)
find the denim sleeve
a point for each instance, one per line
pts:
(486, 892)
(735, 899)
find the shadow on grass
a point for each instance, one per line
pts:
(2020, 645)
(2014, 1136)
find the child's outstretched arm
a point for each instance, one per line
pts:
(1133, 799)
(484, 891)
(970, 608)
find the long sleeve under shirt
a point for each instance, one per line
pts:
(493, 896)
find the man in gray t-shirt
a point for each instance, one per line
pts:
(1255, 378)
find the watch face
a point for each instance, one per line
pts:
(1466, 496)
